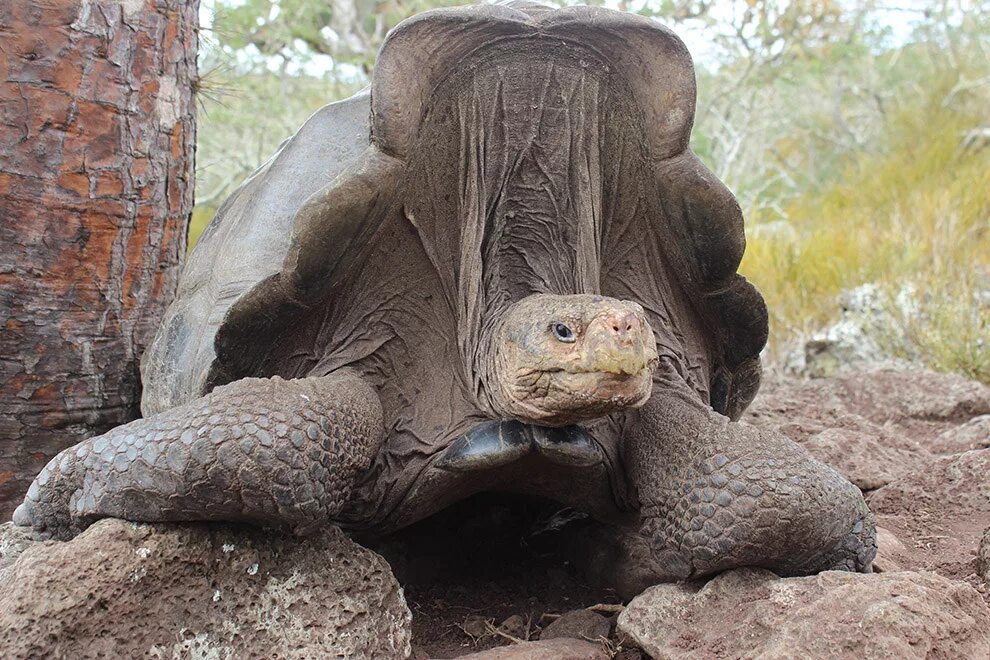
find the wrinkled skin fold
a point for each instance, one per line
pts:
(519, 278)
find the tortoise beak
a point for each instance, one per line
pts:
(620, 342)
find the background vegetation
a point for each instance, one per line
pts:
(856, 136)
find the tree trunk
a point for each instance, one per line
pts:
(97, 138)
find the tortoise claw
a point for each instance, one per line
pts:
(494, 444)
(486, 446)
(22, 515)
(570, 445)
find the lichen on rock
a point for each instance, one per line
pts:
(135, 590)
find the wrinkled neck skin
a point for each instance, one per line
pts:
(491, 369)
(531, 204)
(528, 168)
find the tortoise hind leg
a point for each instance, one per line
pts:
(273, 452)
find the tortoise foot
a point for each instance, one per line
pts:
(721, 495)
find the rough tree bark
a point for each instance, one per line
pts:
(97, 138)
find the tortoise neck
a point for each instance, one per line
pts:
(488, 363)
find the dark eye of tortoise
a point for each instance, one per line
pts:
(562, 332)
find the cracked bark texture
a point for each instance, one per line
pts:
(97, 132)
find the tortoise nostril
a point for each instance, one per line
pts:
(623, 325)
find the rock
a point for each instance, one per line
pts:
(653, 613)
(939, 512)
(983, 558)
(550, 649)
(578, 624)
(870, 327)
(897, 396)
(794, 408)
(974, 434)
(950, 486)
(132, 590)
(906, 409)
(892, 555)
(515, 626)
(752, 612)
(841, 347)
(862, 458)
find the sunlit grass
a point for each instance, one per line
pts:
(201, 217)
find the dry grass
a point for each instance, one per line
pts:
(916, 213)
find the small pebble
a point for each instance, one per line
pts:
(475, 626)
(515, 626)
(579, 624)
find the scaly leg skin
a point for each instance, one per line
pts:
(717, 495)
(272, 452)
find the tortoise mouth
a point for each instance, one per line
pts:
(593, 391)
(568, 396)
(603, 384)
(621, 371)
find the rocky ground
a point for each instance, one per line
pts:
(487, 578)
(125, 590)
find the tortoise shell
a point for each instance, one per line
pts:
(501, 150)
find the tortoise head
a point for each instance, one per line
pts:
(559, 359)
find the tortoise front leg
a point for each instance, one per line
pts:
(717, 495)
(273, 452)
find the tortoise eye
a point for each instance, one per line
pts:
(562, 332)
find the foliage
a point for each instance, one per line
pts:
(348, 30)
(910, 208)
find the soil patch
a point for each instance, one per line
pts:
(488, 570)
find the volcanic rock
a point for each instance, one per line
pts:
(578, 624)
(939, 512)
(550, 649)
(754, 613)
(863, 458)
(974, 434)
(122, 589)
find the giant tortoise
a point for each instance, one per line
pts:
(501, 268)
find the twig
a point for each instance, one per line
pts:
(493, 630)
(606, 608)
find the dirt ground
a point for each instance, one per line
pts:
(467, 570)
